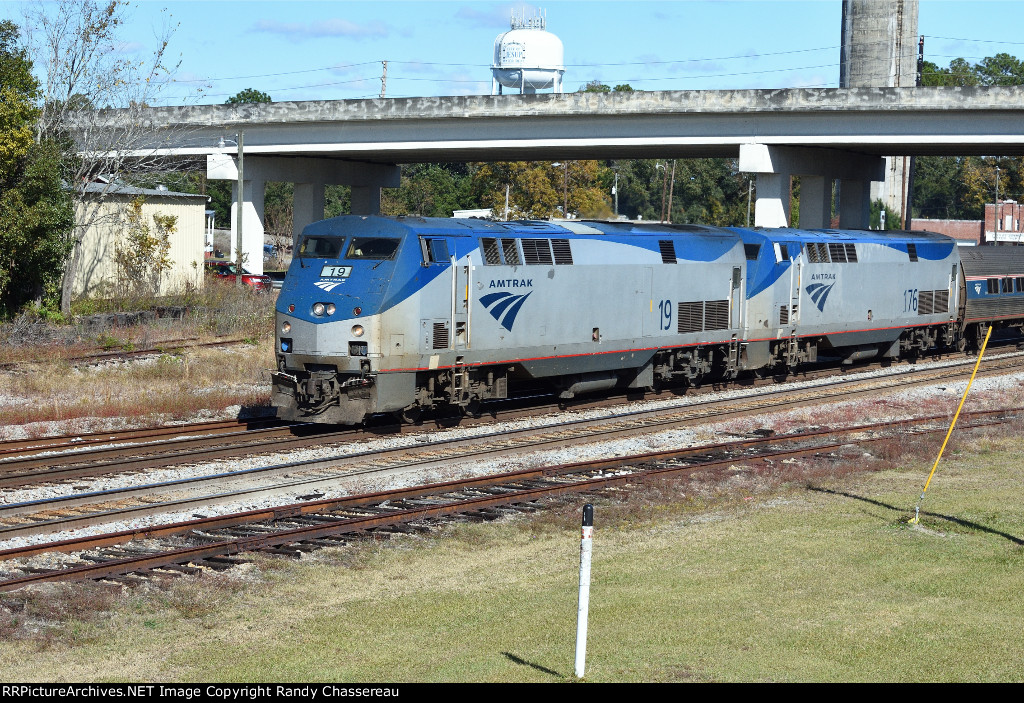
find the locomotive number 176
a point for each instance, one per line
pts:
(910, 300)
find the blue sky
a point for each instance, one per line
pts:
(298, 50)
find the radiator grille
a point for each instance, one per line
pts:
(508, 247)
(838, 253)
(701, 315)
(932, 301)
(440, 335)
(716, 315)
(783, 314)
(562, 251)
(691, 317)
(492, 254)
(925, 302)
(536, 251)
(817, 253)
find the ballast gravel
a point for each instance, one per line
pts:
(938, 398)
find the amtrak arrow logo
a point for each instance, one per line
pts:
(504, 307)
(819, 293)
(327, 285)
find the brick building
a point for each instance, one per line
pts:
(1007, 228)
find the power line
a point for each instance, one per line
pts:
(274, 75)
(979, 41)
(487, 66)
(645, 79)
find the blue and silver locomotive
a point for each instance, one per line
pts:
(399, 315)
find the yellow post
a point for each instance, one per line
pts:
(917, 510)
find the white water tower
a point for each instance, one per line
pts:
(527, 57)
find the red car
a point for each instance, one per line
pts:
(226, 270)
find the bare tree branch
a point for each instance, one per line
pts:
(93, 92)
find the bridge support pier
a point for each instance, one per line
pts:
(310, 176)
(818, 168)
(307, 206)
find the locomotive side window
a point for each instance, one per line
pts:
(752, 250)
(435, 251)
(314, 247)
(379, 248)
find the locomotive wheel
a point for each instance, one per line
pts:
(411, 416)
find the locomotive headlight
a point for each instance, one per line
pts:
(318, 309)
(357, 330)
(286, 327)
(330, 308)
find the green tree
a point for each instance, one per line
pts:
(429, 190)
(596, 86)
(959, 187)
(18, 91)
(959, 73)
(36, 213)
(541, 189)
(1001, 69)
(248, 96)
(143, 253)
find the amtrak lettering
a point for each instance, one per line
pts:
(823, 277)
(512, 283)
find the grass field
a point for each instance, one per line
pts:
(813, 579)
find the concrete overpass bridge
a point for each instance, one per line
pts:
(819, 134)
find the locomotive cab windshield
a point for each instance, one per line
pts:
(377, 248)
(320, 247)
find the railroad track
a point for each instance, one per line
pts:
(168, 347)
(311, 478)
(80, 457)
(20, 448)
(156, 451)
(212, 543)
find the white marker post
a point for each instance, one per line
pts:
(586, 547)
